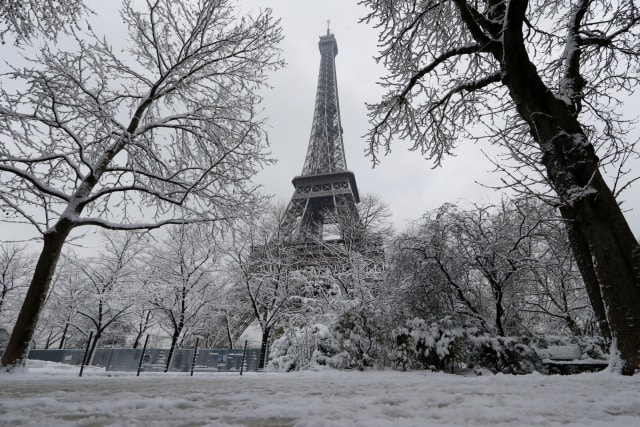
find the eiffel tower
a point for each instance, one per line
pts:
(326, 190)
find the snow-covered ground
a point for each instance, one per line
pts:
(52, 395)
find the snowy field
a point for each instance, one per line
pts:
(55, 396)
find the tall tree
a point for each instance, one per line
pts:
(166, 132)
(542, 77)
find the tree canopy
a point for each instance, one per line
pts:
(544, 79)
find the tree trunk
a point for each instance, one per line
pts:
(572, 326)
(136, 342)
(174, 342)
(582, 254)
(2, 297)
(228, 327)
(602, 241)
(263, 348)
(614, 251)
(63, 338)
(49, 341)
(94, 345)
(143, 327)
(499, 315)
(16, 352)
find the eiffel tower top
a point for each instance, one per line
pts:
(325, 186)
(325, 153)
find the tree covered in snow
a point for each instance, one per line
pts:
(544, 79)
(183, 288)
(265, 267)
(164, 132)
(506, 269)
(556, 301)
(354, 265)
(26, 19)
(110, 280)
(141, 317)
(338, 275)
(362, 338)
(15, 265)
(302, 347)
(59, 323)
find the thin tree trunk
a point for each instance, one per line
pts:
(63, 338)
(499, 314)
(174, 342)
(49, 341)
(143, 327)
(572, 326)
(228, 327)
(136, 342)
(25, 326)
(94, 345)
(263, 348)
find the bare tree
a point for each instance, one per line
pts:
(183, 285)
(142, 316)
(355, 262)
(557, 295)
(59, 321)
(109, 284)
(227, 319)
(167, 131)
(545, 79)
(474, 263)
(375, 216)
(14, 269)
(265, 265)
(25, 19)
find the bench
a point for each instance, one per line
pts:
(566, 360)
(576, 366)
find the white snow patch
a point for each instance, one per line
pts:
(49, 395)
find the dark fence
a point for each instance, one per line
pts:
(155, 360)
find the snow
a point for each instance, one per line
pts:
(561, 352)
(53, 395)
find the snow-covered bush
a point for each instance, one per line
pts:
(594, 348)
(404, 354)
(438, 345)
(362, 339)
(301, 348)
(446, 345)
(502, 354)
(358, 338)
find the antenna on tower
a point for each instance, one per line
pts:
(328, 24)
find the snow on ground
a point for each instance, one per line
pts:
(54, 395)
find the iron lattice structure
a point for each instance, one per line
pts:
(326, 190)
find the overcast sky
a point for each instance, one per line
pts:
(404, 180)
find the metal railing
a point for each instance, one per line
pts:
(155, 360)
